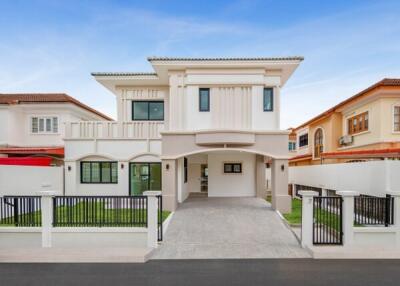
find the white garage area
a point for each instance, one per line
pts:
(217, 174)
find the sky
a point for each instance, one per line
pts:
(53, 46)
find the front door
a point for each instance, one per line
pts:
(144, 177)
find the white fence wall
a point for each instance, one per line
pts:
(28, 180)
(374, 178)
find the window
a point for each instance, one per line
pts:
(292, 146)
(396, 119)
(99, 172)
(204, 99)
(185, 170)
(318, 143)
(144, 177)
(268, 99)
(303, 140)
(147, 110)
(358, 123)
(232, 168)
(44, 125)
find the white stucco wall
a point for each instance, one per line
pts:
(28, 180)
(373, 178)
(231, 185)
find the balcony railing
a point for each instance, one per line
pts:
(114, 130)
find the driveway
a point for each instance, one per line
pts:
(228, 228)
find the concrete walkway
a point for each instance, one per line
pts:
(228, 228)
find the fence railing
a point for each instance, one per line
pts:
(327, 220)
(374, 210)
(98, 211)
(20, 211)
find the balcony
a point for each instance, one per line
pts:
(114, 130)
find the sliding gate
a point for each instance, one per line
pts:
(327, 221)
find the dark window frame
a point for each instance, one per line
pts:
(233, 169)
(185, 169)
(148, 110)
(303, 142)
(208, 100)
(144, 163)
(100, 170)
(272, 99)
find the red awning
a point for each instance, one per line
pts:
(59, 151)
(26, 161)
(373, 153)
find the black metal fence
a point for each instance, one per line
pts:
(373, 210)
(20, 211)
(100, 211)
(327, 220)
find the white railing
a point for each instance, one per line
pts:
(114, 130)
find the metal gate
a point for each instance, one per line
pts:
(327, 221)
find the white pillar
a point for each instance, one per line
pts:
(348, 215)
(396, 223)
(152, 216)
(47, 216)
(307, 219)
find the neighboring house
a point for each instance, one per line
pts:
(366, 126)
(196, 125)
(32, 126)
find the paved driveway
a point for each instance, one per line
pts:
(228, 228)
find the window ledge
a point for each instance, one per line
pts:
(360, 133)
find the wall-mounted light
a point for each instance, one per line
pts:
(167, 166)
(122, 165)
(282, 167)
(69, 168)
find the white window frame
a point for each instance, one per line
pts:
(44, 118)
(394, 106)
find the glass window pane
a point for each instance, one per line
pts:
(156, 110)
(114, 172)
(268, 99)
(105, 172)
(237, 168)
(155, 176)
(85, 172)
(41, 125)
(140, 110)
(55, 124)
(48, 124)
(95, 172)
(204, 94)
(227, 168)
(35, 125)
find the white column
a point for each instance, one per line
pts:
(47, 216)
(396, 223)
(307, 217)
(348, 215)
(152, 216)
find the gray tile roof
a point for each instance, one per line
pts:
(150, 59)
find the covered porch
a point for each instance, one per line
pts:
(226, 164)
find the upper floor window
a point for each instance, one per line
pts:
(396, 119)
(147, 110)
(44, 124)
(358, 123)
(292, 146)
(303, 140)
(318, 143)
(99, 172)
(268, 99)
(204, 99)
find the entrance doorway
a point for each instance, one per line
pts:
(144, 177)
(204, 178)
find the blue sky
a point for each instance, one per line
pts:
(53, 46)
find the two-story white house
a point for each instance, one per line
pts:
(33, 124)
(195, 125)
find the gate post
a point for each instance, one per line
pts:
(348, 215)
(307, 219)
(152, 217)
(396, 214)
(47, 216)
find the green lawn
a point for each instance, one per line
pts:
(294, 218)
(90, 214)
